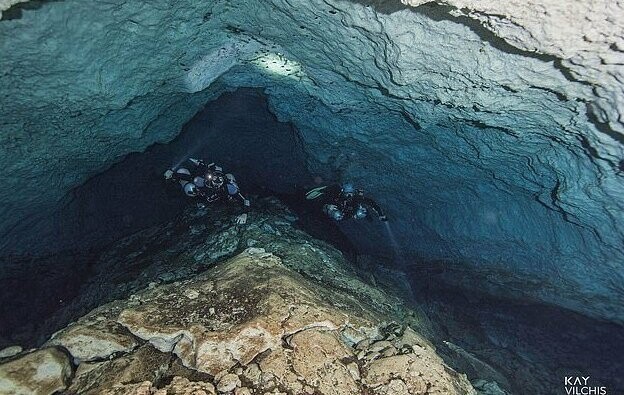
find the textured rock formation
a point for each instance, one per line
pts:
(296, 321)
(44, 371)
(10, 351)
(6, 4)
(585, 39)
(95, 341)
(182, 265)
(496, 164)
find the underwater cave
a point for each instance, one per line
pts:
(490, 134)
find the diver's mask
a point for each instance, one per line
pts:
(214, 180)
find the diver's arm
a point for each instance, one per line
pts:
(374, 206)
(197, 162)
(317, 194)
(235, 194)
(172, 175)
(242, 199)
(332, 193)
(242, 218)
(201, 165)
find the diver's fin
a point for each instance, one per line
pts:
(314, 193)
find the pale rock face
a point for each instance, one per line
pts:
(228, 383)
(40, 372)
(144, 364)
(94, 340)
(242, 391)
(585, 36)
(144, 388)
(252, 374)
(317, 358)
(182, 386)
(178, 386)
(10, 351)
(416, 377)
(251, 315)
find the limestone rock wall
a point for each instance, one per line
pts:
(585, 38)
(483, 150)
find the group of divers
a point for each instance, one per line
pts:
(210, 184)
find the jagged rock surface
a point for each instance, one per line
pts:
(500, 165)
(286, 315)
(6, 4)
(585, 37)
(43, 371)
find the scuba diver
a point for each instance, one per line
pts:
(209, 183)
(344, 201)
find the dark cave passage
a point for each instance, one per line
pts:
(236, 131)
(534, 345)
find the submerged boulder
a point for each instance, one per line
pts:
(92, 341)
(44, 371)
(253, 313)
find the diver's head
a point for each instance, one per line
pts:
(348, 190)
(214, 179)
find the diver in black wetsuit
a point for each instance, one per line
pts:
(209, 183)
(344, 201)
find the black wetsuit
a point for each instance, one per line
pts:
(227, 191)
(348, 205)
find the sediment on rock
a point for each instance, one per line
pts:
(265, 320)
(251, 326)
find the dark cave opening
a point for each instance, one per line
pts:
(237, 131)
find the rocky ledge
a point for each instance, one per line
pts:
(287, 315)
